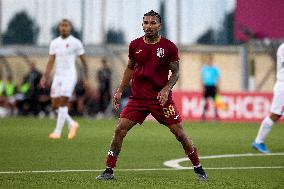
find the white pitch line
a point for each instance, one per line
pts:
(51, 171)
(126, 170)
(175, 163)
(240, 155)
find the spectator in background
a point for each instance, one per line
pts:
(104, 79)
(45, 100)
(79, 98)
(10, 89)
(92, 102)
(33, 78)
(3, 108)
(124, 97)
(210, 77)
(2, 88)
(30, 90)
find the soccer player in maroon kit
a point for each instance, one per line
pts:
(150, 59)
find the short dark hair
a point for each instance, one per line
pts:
(153, 13)
(66, 20)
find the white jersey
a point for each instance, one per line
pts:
(65, 51)
(279, 85)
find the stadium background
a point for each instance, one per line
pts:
(242, 36)
(243, 51)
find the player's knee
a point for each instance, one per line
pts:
(64, 101)
(274, 117)
(177, 131)
(55, 105)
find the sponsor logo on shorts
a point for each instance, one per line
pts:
(176, 117)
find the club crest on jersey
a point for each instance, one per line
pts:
(160, 52)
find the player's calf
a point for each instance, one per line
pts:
(110, 165)
(189, 149)
(120, 132)
(193, 156)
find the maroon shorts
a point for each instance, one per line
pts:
(137, 110)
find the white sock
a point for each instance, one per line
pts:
(62, 112)
(264, 129)
(69, 120)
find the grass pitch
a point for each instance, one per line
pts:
(24, 146)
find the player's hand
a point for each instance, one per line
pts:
(43, 81)
(163, 95)
(116, 100)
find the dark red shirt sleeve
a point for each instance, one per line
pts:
(131, 51)
(173, 57)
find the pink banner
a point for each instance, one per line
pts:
(240, 106)
(264, 18)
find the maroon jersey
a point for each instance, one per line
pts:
(151, 66)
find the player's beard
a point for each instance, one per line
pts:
(151, 36)
(65, 34)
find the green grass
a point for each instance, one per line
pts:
(24, 146)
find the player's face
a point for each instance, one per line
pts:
(210, 61)
(64, 28)
(151, 26)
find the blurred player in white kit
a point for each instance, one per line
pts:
(63, 51)
(277, 106)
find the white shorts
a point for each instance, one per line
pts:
(277, 106)
(62, 86)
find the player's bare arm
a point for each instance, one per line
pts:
(164, 93)
(50, 64)
(123, 84)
